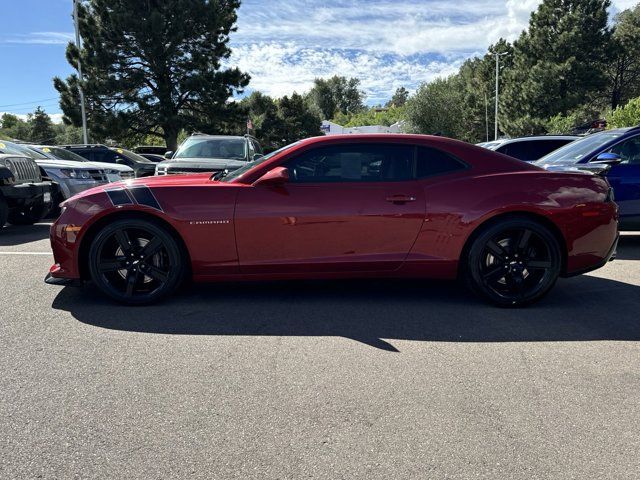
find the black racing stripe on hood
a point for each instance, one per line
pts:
(144, 196)
(119, 197)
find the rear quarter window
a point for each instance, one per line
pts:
(431, 161)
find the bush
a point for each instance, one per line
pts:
(627, 116)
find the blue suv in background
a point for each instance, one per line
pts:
(614, 153)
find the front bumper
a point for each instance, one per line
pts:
(26, 191)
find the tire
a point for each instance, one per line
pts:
(28, 215)
(514, 262)
(4, 211)
(136, 262)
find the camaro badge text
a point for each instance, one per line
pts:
(208, 222)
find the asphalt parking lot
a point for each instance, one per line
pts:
(376, 379)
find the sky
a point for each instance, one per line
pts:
(284, 45)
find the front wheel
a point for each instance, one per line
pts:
(514, 262)
(136, 261)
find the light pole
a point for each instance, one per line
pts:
(498, 55)
(85, 137)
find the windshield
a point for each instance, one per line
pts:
(15, 149)
(224, 148)
(240, 171)
(575, 151)
(64, 154)
(134, 157)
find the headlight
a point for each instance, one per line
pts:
(75, 173)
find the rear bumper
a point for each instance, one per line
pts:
(609, 257)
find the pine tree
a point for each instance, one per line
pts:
(153, 67)
(559, 63)
(41, 127)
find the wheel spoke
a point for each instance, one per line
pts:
(111, 265)
(494, 274)
(157, 274)
(122, 237)
(523, 242)
(132, 278)
(151, 248)
(538, 264)
(496, 250)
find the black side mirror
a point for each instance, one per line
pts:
(168, 154)
(257, 156)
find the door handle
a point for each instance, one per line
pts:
(399, 199)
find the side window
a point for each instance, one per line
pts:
(106, 156)
(431, 161)
(353, 163)
(629, 151)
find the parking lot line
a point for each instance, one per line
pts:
(26, 253)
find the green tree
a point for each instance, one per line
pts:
(41, 127)
(627, 116)
(279, 122)
(437, 108)
(8, 121)
(624, 70)
(335, 94)
(399, 98)
(299, 121)
(153, 67)
(559, 64)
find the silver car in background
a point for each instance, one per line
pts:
(114, 171)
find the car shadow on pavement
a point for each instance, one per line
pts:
(629, 247)
(583, 308)
(12, 235)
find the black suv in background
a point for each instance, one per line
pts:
(24, 197)
(101, 153)
(210, 153)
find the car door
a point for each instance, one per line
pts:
(625, 178)
(346, 208)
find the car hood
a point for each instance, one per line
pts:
(203, 163)
(51, 163)
(164, 181)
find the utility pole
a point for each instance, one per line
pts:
(83, 111)
(486, 115)
(498, 55)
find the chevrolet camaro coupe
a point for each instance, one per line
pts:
(353, 206)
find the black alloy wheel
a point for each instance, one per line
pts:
(136, 261)
(514, 262)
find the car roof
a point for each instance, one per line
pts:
(206, 136)
(535, 138)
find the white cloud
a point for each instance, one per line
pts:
(39, 38)
(385, 43)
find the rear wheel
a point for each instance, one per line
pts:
(136, 261)
(28, 215)
(514, 262)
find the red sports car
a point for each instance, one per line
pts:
(343, 207)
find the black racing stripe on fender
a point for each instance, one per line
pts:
(144, 196)
(119, 197)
